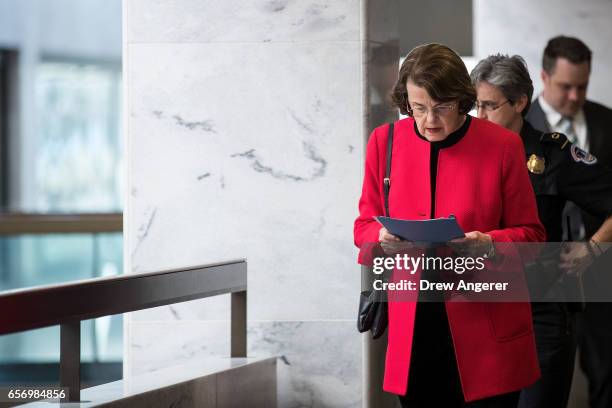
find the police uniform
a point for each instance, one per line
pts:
(559, 172)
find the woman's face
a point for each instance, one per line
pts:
(494, 106)
(435, 120)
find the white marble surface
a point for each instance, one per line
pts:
(240, 159)
(176, 342)
(188, 21)
(319, 361)
(160, 381)
(524, 27)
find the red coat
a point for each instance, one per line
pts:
(482, 179)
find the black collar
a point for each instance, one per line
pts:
(528, 132)
(451, 139)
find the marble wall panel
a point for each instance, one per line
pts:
(189, 21)
(319, 361)
(239, 159)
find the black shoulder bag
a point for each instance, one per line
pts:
(373, 306)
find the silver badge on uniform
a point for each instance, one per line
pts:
(580, 155)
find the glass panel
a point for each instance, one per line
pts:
(33, 356)
(35, 260)
(78, 153)
(101, 341)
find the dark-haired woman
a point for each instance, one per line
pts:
(451, 354)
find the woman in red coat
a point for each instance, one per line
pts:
(446, 162)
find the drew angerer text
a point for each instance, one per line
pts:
(425, 285)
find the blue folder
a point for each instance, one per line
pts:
(436, 230)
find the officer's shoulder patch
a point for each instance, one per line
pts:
(583, 156)
(557, 138)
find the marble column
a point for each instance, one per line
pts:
(246, 123)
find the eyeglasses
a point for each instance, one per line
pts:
(490, 106)
(438, 111)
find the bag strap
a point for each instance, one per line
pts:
(387, 179)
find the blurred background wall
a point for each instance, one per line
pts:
(60, 152)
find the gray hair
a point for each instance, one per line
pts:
(509, 74)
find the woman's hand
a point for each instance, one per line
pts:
(392, 244)
(385, 236)
(474, 244)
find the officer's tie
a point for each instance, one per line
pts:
(566, 126)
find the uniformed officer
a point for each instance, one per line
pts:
(560, 172)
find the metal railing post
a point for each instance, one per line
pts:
(239, 324)
(70, 359)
